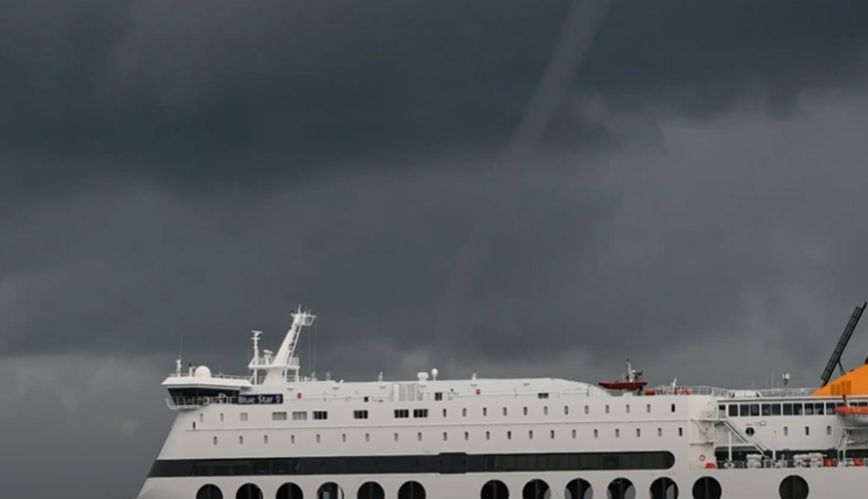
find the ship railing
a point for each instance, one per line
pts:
(768, 463)
(216, 376)
(689, 390)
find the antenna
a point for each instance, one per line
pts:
(835, 360)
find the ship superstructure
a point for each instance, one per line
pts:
(276, 434)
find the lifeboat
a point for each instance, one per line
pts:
(855, 415)
(632, 381)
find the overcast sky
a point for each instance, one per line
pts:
(195, 169)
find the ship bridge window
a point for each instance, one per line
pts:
(707, 488)
(299, 416)
(371, 490)
(278, 416)
(819, 409)
(402, 413)
(743, 410)
(578, 489)
(755, 410)
(360, 414)
(494, 489)
(809, 409)
(209, 492)
(411, 490)
(798, 410)
(793, 487)
(621, 488)
(788, 409)
(664, 488)
(776, 409)
(330, 490)
(320, 415)
(830, 408)
(420, 413)
(766, 409)
(249, 491)
(289, 491)
(535, 489)
(733, 410)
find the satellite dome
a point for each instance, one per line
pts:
(202, 372)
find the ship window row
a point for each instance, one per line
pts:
(784, 409)
(466, 435)
(733, 410)
(446, 463)
(791, 487)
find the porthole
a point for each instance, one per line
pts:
(579, 489)
(249, 491)
(535, 489)
(750, 431)
(794, 487)
(209, 492)
(494, 489)
(664, 488)
(621, 488)
(289, 491)
(371, 490)
(707, 488)
(330, 490)
(411, 490)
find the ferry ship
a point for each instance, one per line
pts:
(274, 434)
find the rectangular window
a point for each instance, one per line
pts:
(488, 435)
(788, 409)
(320, 415)
(755, 410)
(617, 433)
(776, 409)
(278, 416)
(574, 434)
(828, 430)
(360, 414)
(807, 430)
(596, 433)
(420, 413)
(830, 408)
(543, 395)
(530, 435)
(463, 412)
(648, 408)
(786, 430)
(659, 432)
(733, 410)
(546, 411)
(809, 409)
(243, 416)
(818, 409)
(628, 408)
(680, 431)
(402, 413)
(485, 411)
(566, 410)
(743, 410)
(638, 433)
(505, 411)
(524, 410)
(438, 396)
(766, 409)
(672, 408)
(299, 416)
(444, 413)
(587, 410)
(797, 410)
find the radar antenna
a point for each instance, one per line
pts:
(835, 360)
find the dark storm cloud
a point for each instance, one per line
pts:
(196, 87)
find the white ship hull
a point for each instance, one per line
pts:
(824, 483)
